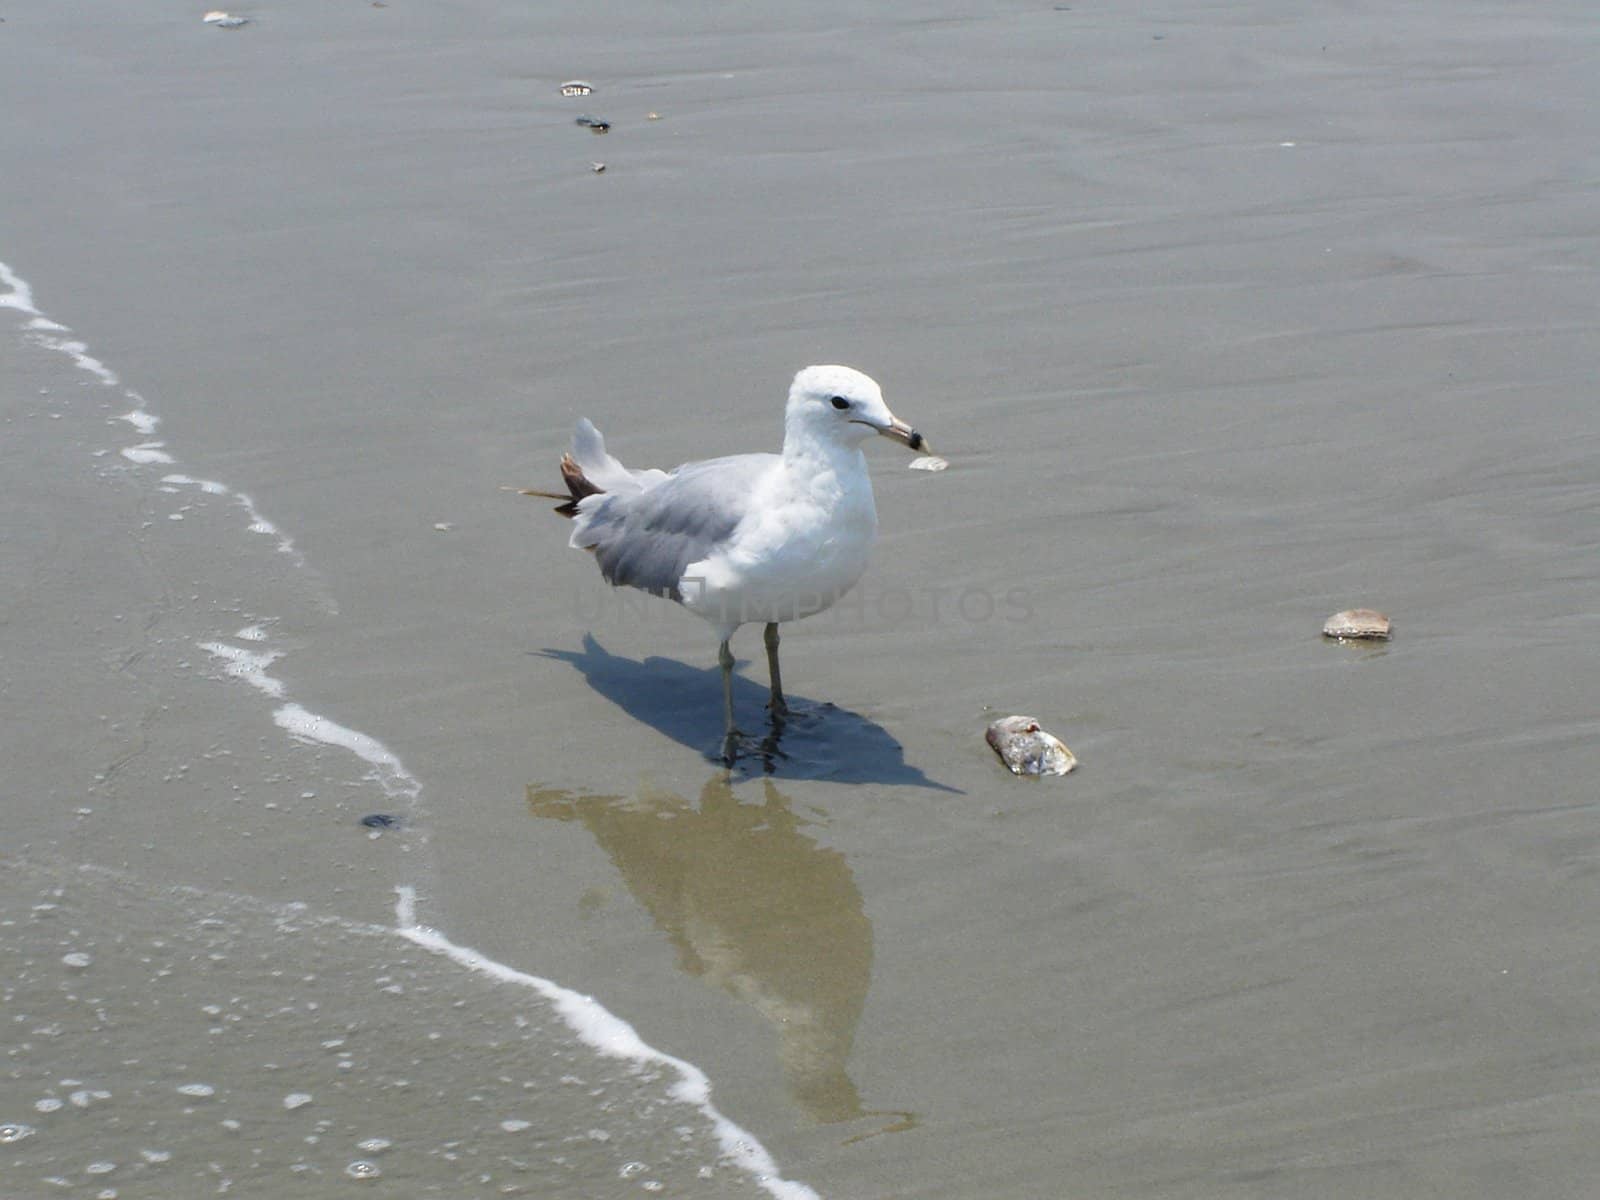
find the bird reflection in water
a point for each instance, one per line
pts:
(754, 906)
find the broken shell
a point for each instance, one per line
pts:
(929, 462)
(598, 124)
(1358, 623)
(576, 87)
(224, 20)
(597, 168)
(1028, 750)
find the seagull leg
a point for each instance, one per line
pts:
(730, 735)
(778, 705)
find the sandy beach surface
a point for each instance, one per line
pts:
(1228, 315)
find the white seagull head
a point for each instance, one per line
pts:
(841, 406)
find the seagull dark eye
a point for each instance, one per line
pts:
(839, 402)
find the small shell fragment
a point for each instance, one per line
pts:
(224, 20)
(1028, 750)
(1363, 623)
(576, 87)
(597, 124)
(929, 462)
(598, 168)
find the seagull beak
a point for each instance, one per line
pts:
(897, 430)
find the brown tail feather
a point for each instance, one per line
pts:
(578, 486)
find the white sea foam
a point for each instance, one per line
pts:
(79, 353)
(387, 768)
(610, 1035)
(260, 524)
(147, 453)
(299, 722)
(53, 335)
(210, 486)
(20, 297)
(248, 665)
(257, 522)
(144, 422)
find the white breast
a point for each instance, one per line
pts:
(808, 541)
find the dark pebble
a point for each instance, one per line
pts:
(380, 821)
(598, 124)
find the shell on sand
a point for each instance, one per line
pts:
(1358, 623)
(1028, 750)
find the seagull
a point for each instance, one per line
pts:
(748, 538)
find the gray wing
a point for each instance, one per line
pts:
(647, 540)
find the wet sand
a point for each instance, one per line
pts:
(1227, 319)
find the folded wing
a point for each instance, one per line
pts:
(647, 535)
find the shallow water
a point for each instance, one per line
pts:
(178, 1042)
(1226, 318)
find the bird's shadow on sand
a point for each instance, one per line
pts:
(817, 741)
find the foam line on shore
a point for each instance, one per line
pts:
(605, 1032)
(302, 724)
(43, 330)
(387, 769)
